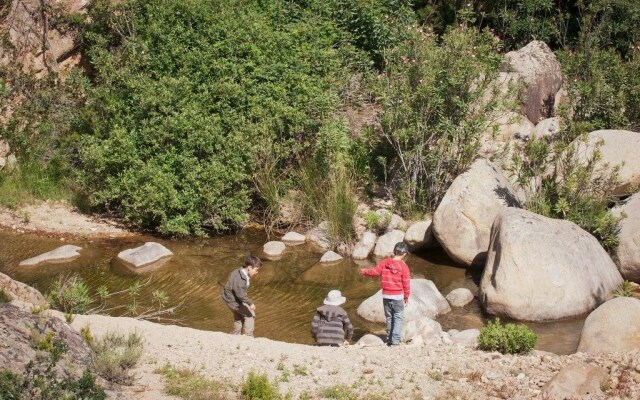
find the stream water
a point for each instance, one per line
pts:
(286, 291)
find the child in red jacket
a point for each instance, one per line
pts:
(396, 284)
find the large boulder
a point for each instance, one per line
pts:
(386, 243)
(536, 66)
(363, 248)
(420, 235)
(540, 268)
(62, 254)
(145, 255)
(508, 126)
(460, 297)
(618, 148)
(628, 250)
(547, 128)
(424, 301)
(21, 330)
(20, 291)
(428, 329)
(462, 221)
(612, 327)
(576, 381)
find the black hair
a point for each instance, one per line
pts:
(252, 261)
(400, 248)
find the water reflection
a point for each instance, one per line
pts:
(286, 291)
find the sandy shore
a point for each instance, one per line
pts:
(58, 219)
(428, 371)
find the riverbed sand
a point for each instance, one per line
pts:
(427, 371)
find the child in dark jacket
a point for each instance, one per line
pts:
(395, 280)
(331, 325)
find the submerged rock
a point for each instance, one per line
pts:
(62, 254)
(144, 255)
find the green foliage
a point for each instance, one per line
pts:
(434, 111)
(4, 296)
(10, 385)
(257, 387)
(372, 220)
(115, 356)
(624, 289)
(190, 385)
(187, 95)
(507, 339)
(563, 185)
(70, 294)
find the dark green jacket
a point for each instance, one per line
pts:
(235, 290)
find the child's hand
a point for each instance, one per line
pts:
(253, 307)
(362, 271)
(346, 343)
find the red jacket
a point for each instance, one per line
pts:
(396, 278)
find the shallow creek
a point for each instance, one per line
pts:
(286, 291)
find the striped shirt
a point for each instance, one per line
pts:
(395, 277)
(331, 325)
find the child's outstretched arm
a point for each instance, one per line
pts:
(375, 271)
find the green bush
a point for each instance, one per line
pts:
(434, 112)
(258, 387)
(70, 294)
(115, 356)
(190, 94)
(507, 339)
(190, 385)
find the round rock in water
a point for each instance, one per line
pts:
(144, 255)
(64, 253)
(273, 248)
(293, 238)
(330, 257)
(460, 297)
(363, 248)
(370, 340)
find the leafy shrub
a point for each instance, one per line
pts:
(70, 294)
(372, 220)
(190, 385)
(339, 392)
(116, 355)
(189, 94)
(434, 112)
(507, 339)
(258, 387)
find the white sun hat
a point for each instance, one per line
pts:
(334, 298)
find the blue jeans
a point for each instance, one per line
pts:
(394, 312)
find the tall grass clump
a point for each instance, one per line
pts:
(4, 296)
(258, 387)
(116, 355)
(70, 294)
(507, 339)
(436, 99)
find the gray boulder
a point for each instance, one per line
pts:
(386, 243)
(536, 66)
(62, 254)
(364, 247)
(149, 253)
(20, 291)
(420, 235)
(617, 148)
(467, 337)
(274, 248)
(628, 250)
(22, 329)
(612, 327)
(426, 328)
(575, 381)
(547, 128)
(390, 221)
(369, 340)
(424, 301)
(462, 221)
(540, 268)
(460, 297)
